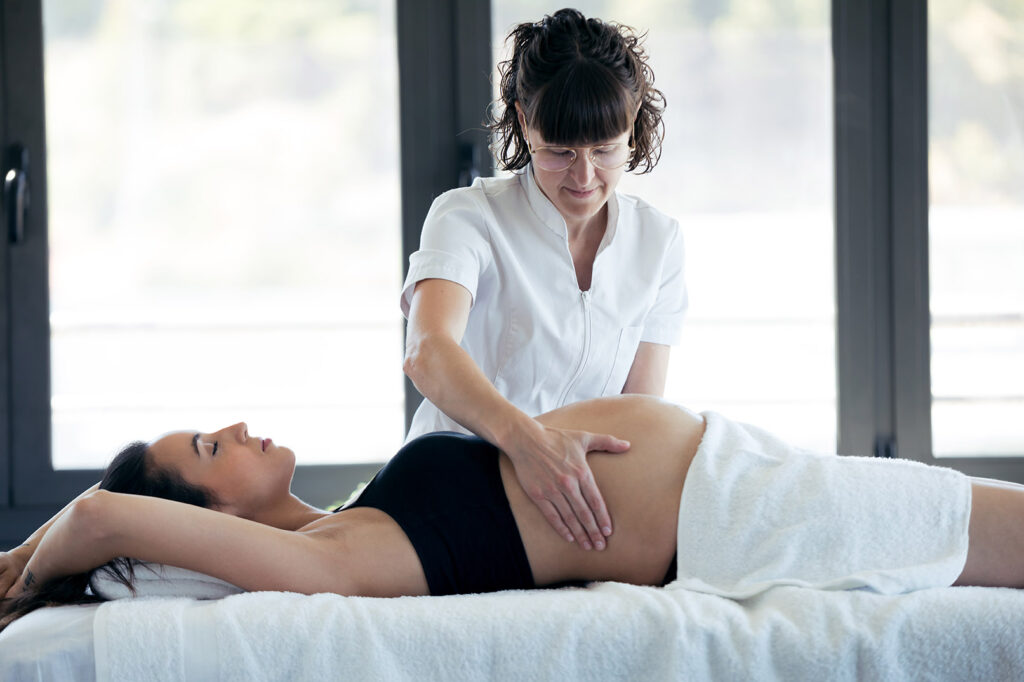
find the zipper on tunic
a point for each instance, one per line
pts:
(585, 354)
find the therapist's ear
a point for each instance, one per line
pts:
(521, 116)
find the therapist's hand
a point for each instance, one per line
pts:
(551, 465)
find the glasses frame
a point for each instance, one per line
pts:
(576, 154)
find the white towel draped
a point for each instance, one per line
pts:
(758, 512)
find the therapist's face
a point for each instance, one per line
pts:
(581, 191)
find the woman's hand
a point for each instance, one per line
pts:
(551, 465)
(23, 584)
(70, 545)
(12, 564)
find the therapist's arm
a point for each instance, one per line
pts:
(550, 463)
(649, 370)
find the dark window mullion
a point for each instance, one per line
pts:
(911, 319)
(444, 63)
(6, 486)
(34, 480)
(863, 284)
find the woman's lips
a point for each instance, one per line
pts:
(580, 194)
(265, 443)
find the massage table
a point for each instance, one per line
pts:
(606, 631)
(799, 522)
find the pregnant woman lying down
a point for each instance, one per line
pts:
(697, 501)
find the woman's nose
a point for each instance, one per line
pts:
(239, 431)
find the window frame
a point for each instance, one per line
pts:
(442, 92)
(883, 324)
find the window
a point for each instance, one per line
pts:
(241, 128)
(976, 227)
(224, 225)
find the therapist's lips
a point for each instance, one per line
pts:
(580, 194)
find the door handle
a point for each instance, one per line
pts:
(16, 192)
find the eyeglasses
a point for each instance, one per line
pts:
(555, 159)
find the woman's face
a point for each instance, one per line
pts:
(581, 191)
(245, 473)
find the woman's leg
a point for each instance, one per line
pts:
(995, 552)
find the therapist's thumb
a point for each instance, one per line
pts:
(607, 443)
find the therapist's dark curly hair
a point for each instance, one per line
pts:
(578, 81)
(132, 471)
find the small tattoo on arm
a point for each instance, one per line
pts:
(29, 579)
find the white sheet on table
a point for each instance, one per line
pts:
(49, 644)
(607, 631)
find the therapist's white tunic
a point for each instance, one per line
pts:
(541, 341)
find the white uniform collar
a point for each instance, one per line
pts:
(550, 216)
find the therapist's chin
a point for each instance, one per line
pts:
(585, 206)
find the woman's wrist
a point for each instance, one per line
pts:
(22, 553)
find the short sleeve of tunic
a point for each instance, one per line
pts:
(454, 243)
(664, 322)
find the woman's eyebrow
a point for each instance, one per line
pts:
(195, 444)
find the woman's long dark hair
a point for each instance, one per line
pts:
(131, 471)
(578, 81)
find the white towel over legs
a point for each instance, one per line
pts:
(757, 512)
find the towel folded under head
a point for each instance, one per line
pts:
(757, 512)
(161, 580)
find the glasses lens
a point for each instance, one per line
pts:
(610, 157)
(607, 157)
(554, 158)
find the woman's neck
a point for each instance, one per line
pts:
(290, 513)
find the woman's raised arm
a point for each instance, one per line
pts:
(550, 463)
(13, 562)
(102, 525)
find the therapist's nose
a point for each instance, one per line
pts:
(582, 172)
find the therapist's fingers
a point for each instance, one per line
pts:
(554, 518)
(585, 523)
(569, 517)
(595, 502)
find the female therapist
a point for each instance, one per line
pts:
(548, 287)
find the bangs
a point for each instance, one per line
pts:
(581, 105)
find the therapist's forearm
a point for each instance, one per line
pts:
(447, 376)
